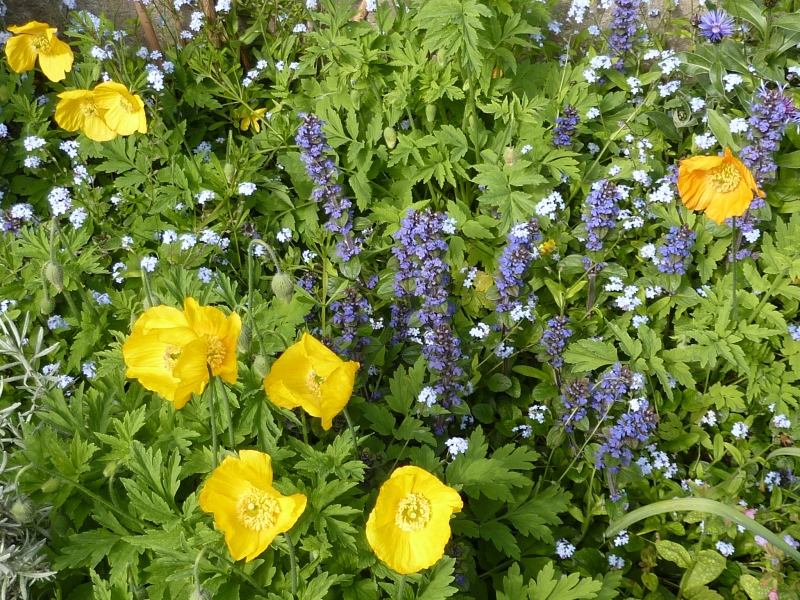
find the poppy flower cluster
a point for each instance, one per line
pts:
(175, 352)
(103, 113)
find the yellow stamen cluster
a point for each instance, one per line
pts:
(171, 354)
(724, 178)
(258, 510)
(314, 383)
(215, 352)
(413, 512)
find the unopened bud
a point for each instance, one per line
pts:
(51, 486)
(230, 172)
(510, 156)
(260, 366)
(200, 594)
(47, 305)
(283, 286)
(110, 469)
(147, 303)
(245, 337)
(430, 113)
(23, 510)
(390, 135)
(55, 275)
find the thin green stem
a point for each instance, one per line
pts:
(147, 289)
(352, 429)
(213, 419)
(237, 570)
(229, 417)
(401, 587)
(196, 570)
(775, 285)
(305, 429)
(734, 298)
(292, 562)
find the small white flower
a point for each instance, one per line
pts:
(739, 125)
(622, 538)
(781, 421)
(148, 263)
(480, 331)
(564, 549)
(427, 396)
(205, 274)
(456, 446)
(284, 235)
(449, 226)
(697, 104)
(739, 430)
(77, 217)
(247, 188)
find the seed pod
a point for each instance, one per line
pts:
(283, 286)
(245, 338)
(390, 135)
(55, 275)
(23, 510)
(430, 113)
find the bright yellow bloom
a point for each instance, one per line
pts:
(77, 110)
(410, 524)
(248, 117)
(170, 351)
(124, 111)
(308, 374)
(720, 185)
(245, 505)
(38, 40)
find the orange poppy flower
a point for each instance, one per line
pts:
(720, 185)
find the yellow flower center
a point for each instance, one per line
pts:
(413, 513)
(171, 354)
(126, 105)
(314, 383)
(40, 43)
(89, 109)
(258, 510)
(216, 351)
(724, 178)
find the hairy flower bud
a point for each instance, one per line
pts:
(283, 286)
(245, 338)
(110, 469)
(510, 156)
(230, 172)
(390, 135)
(156, 301)
(23, 510)
(47, 305)
(55, 275)
(200, 594)
(430, 113)
(51, 486)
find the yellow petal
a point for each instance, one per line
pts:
(56, 60)
(336, 392)
(323, 360)
(33, 28)
(192, 370)
(70, 109)
(95, 128)
(20, 53)
(145, 358)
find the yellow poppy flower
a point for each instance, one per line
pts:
(124, 111)
(77, 110)
(170, 351)
(410, 524)
(245, 505)
(310, 375)
(38, 40)
(720, 185)
(248, 117)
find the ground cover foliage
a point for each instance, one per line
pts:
(478, 204)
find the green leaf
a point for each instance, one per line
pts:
(702, 505)
(674, 553)
(721, 130)
(589, 355)
(569, 587)
(708, 565)
(753, 587)
(86, 549)
(436, 582)
(500, 535)
(748, 10)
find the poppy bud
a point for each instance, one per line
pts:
(55, 275)
(390, 135)
(260, 366)
(245, 337)
(510, 156)
(46, 305)
(230, 172)
(23, 510)
(283, 286)
(147, 304)
(430, 113)
(110, 469)
(51, 486)
(200, 594)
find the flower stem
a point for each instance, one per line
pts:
(292, 561)
(734, 298)
(305, 429)
(226, 404)
(401, 587)
(213, 419)
(196, 570)
(778, 281)
(352, 429)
